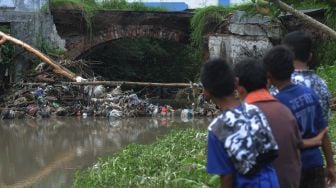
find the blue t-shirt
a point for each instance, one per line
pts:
(304, 104)
(219, 163)
(309, 79)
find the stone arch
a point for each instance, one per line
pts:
(106, 25)
(84, 43)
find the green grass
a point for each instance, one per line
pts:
(178, 160)
(6, 49)
(307, 4)
(91, 6)
(332, 131)
(210, 15)
(328, 73)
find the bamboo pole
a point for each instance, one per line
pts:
(58, 69)
(115, 83)
(118, 83)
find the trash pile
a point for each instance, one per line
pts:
(44, 94)
(48, 100)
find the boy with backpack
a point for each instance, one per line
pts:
(241, 146)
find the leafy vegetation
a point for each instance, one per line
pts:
(212, 15)
(332, 131)
(89, 6)
(50, 50)
(326, 52)
(325, 49)
(328, 73)
(177, 160)
(307, 4)
(6, 49)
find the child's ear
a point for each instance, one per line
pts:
(269, 80)
(206, 94)
(242, 93)
(240, 89)
(310, 56)
(236, 82)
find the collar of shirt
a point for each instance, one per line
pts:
(304, 71)
(258, 96)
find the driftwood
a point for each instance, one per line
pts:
(118, 83)
(58, 69)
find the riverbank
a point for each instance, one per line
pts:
(178, 160)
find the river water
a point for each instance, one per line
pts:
(48, 152)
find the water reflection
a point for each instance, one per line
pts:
(46, 152)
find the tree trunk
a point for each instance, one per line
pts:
(306, 18)
(58, 69)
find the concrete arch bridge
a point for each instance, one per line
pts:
(81, 35)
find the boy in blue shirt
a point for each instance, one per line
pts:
(301, 44)
(304, 104)
(241, 146)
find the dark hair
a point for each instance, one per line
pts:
(301, 43)
(218, 78)
(279, 62)
(252, 74)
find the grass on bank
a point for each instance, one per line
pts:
(328, 73)
(177, 160)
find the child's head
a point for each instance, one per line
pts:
(217, 78)
(251, 75)
(301, 43)
(279, 63)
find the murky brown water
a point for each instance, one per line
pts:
(47, 152)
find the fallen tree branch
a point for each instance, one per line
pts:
(58, 69)
(304, 17)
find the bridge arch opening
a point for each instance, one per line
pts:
(143, 60)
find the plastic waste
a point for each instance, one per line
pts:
(116, 91)
(8, 114)
(98, 91)
(39, 92)
(55, 105)
(115, 113)
(134, 100)
(186, 115)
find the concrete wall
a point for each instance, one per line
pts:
(244, 37)
(23, 5)
(30, 25)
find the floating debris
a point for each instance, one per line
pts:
(55, 97)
